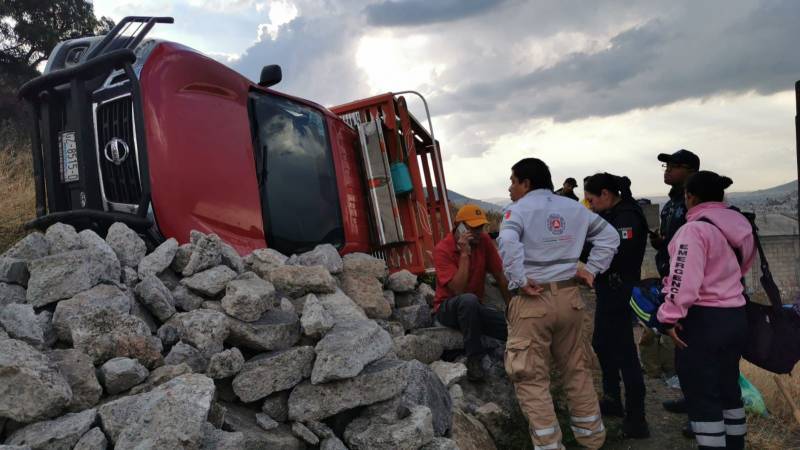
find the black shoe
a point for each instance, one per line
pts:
(635, 428)
(687, 431)
(612, 407)
(675, 406)
(475, 370)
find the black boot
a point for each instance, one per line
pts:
(675, 406)
(475, 369)
(612, 407)
(635, 427)
(688, 431)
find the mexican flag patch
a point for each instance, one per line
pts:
(626, 233)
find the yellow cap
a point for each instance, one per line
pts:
(472, 215)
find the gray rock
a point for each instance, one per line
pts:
(423, 388)
(94, 439)
(128, 246)
(342, 307)
(248, 297)
(379, 381)
(273, 372)
(231, 258)
(449, 338)
(299, 303)
(395, 329)
(120, 374)
(390, 298)
(215, 439)
(495, 419)
(169, 335)
(159, 259)
(449, 373)
(14, 270)
(45, 321)
(332, 443)
(106, 334)
(304, 433)
(155, 297)
(129, 277)
(210, 282)
(263, 260)
(266, 422)
(92, 242)
(20, 322)
(364, 264)
(316, 320)
(402, 281)
(58, 434)
(347, 348)
(421, 348)
(319, 429)
(185, 299)
(324, 255)
(138, 310)
(277, 406)
(297, 281)
(102, 297)
(275, 330)
(206, 253)
(185, 353)
(63, 275)
(409, 299)
(14, 447)
(440, 443)
(161, 375)
(225, 364)
(11, 293)
(212, 305)
(288, 306)
(367, 292)
(204, 329)
(242, 419)
(413, 317)
(427, 293)
(32, 246)
(408, 433)
(31, 387)
(172, 415)
(457, 397)
(181, 258)
(62, 238)
(77, 368)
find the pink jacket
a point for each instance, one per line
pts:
(703, 267)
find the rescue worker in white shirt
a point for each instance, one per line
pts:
(541, 239)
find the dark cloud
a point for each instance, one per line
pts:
(390, 13)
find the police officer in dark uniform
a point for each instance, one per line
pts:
(677, 169)
(610, 197)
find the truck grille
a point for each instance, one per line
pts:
(121, 183)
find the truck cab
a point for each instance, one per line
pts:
(167, 140)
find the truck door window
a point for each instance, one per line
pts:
(299, 195)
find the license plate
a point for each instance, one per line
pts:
(68, 156)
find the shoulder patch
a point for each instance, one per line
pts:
(625, 233)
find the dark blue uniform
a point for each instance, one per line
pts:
(673, 216)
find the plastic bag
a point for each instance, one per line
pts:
(753, 401)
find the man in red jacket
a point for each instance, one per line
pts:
(462, 260)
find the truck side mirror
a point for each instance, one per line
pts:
(270, 75)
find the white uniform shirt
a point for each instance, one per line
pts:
(542, 237)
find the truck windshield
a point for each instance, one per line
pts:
(297, 181)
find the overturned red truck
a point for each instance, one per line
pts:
(158, 136)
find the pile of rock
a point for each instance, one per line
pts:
(191, 346)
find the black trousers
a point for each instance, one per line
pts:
(708, 369)
(616, 349)
(466, 313)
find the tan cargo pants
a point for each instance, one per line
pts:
(542, 331)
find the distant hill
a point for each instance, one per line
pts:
(459, 199)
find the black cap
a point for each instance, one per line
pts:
(571, 181)
(682, 156)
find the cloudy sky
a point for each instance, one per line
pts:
(586, 86)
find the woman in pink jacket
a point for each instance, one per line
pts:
(704, 312)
